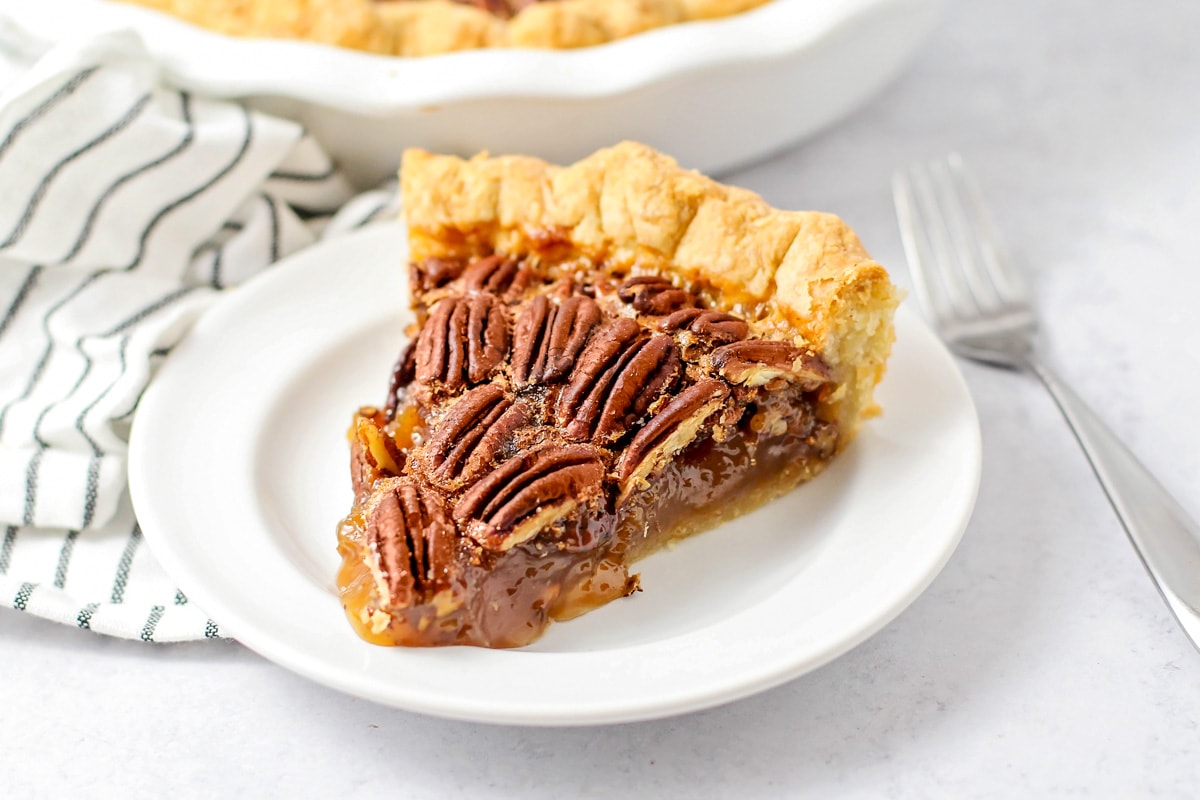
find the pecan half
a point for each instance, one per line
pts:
(464, 340)
(756, 362)
(674, 427)
(473, 433)
(414, 542)
(402, 375)
(715, 326)
(528, 493)
(505, 277)
(619, 375)
(651, 294)
(549, 337)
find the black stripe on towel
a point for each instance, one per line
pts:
(156, 613)
(312, 214)
(84, 618)
(22, 295)
(64, 91)
(274, 214)
(64, 559)
(218, 280)
(23, 594)
(122, 576)
(218, 261)
(40, 192)
(91, 491)
(305, 177)
(6, 549)
(157, 305)
(31, 483)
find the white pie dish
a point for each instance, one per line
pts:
(715, 95)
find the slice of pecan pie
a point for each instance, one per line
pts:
(608, 357)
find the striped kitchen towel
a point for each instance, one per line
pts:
(126, 208)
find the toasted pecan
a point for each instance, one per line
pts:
(529, 493)
(616, 379)
(414, 543)
(549, 337)
(473, 433)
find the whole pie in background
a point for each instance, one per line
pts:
(607, 357)
(426, 27)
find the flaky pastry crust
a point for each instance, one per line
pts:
(798, 276)
(427, 27)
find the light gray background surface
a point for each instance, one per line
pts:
(1040, 663)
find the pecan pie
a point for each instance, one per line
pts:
(607, 357)
(425, 27)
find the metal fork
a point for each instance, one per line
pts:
(980, 306)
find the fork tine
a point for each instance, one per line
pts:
(997, 264)
(917, 250)
(962, 232)
(970, 294)
(935, 267)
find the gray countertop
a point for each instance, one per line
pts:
(1040, 663)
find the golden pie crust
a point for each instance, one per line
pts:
(608, 357)
(428, 27)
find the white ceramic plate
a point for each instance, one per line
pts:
(714, 94)
(238, 467)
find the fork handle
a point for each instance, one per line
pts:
(1166, 539)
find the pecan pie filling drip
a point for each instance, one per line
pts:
(548, 425)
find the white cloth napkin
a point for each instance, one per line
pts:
(126, 208)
